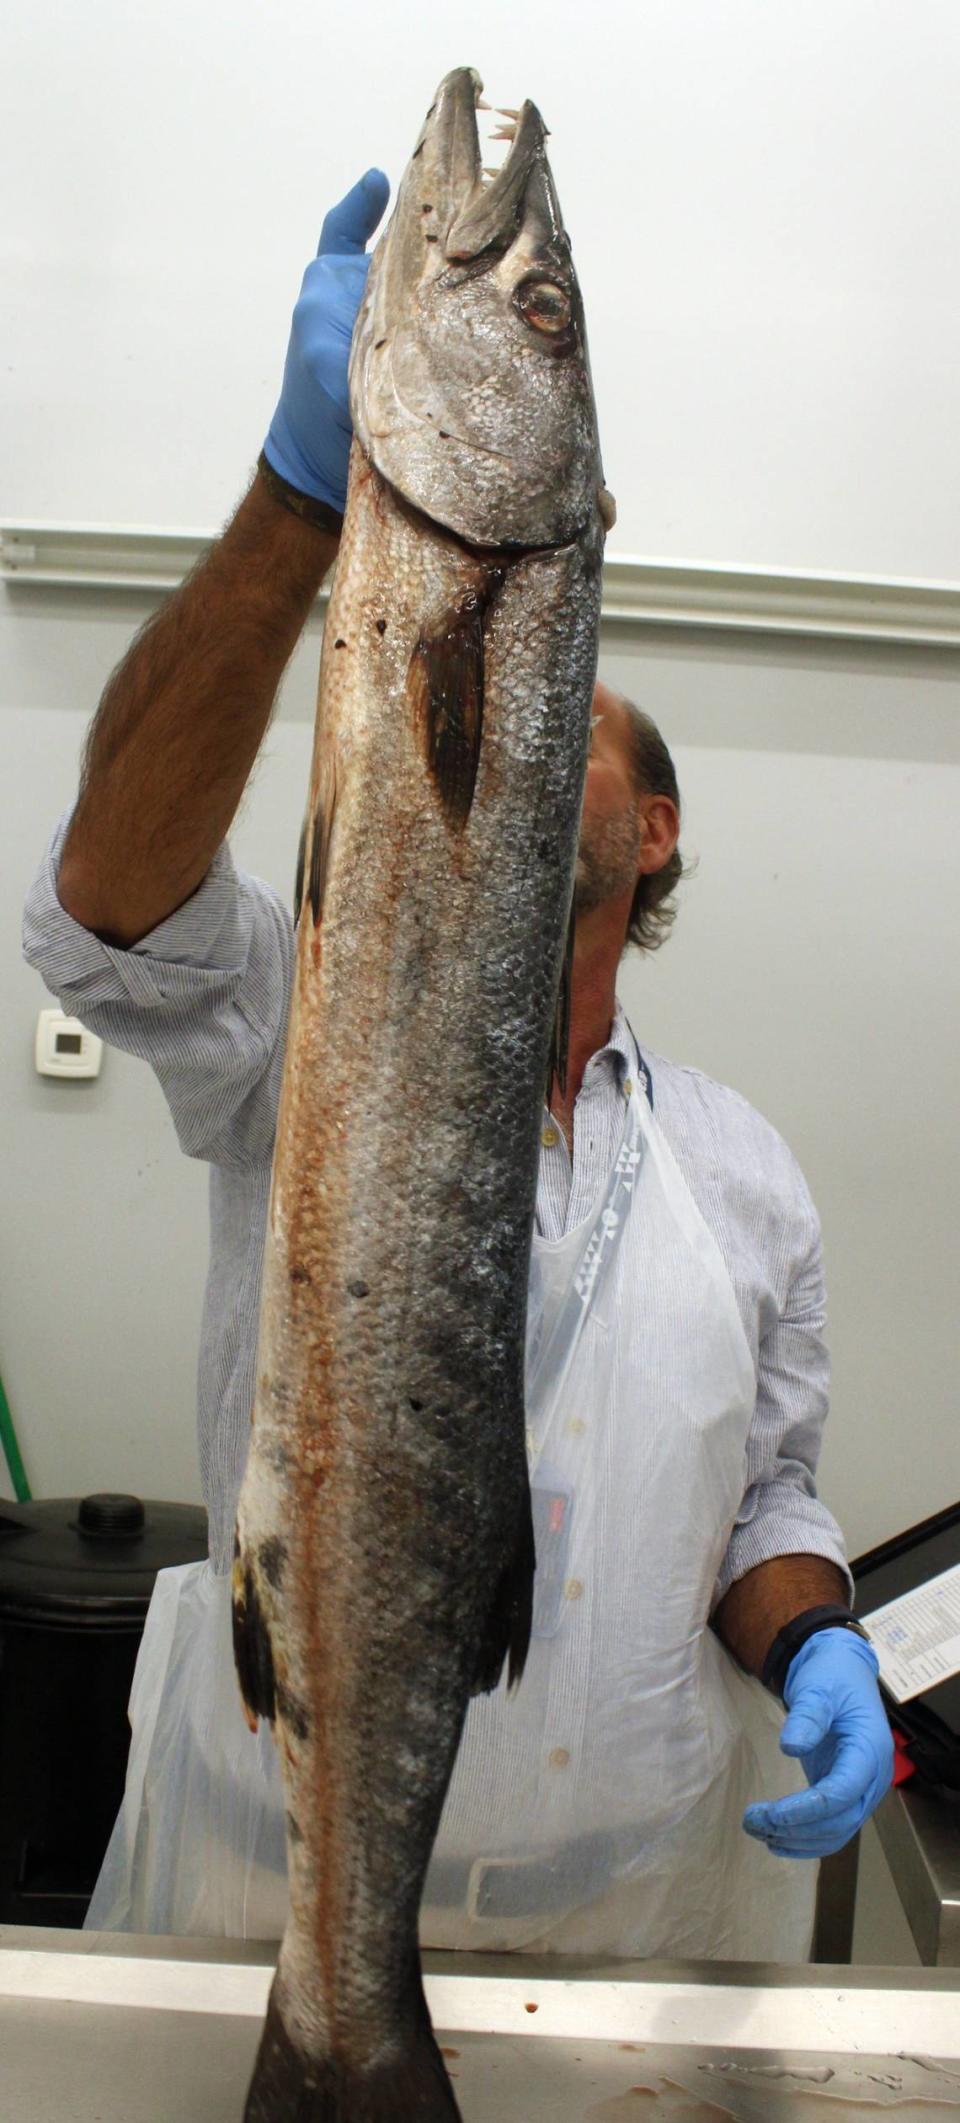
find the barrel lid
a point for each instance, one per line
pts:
(90, 1562)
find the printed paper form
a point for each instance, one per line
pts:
(917, 1637)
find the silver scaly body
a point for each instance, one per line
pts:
(385, 1552)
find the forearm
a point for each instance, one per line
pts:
(759, 1605)
(182, 718)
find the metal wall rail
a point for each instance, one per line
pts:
(637, 594)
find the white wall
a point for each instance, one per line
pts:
(763, 200)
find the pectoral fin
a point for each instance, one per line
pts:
(445, 689)
(251, 1645)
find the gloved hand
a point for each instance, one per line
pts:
(309, 438)
(838, 1728)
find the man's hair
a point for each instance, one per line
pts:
(652, 913)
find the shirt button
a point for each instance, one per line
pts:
(549, 1136)
(559, 1758)
(573, 1589)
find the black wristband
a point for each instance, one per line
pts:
(794, 1634)
(306, 506)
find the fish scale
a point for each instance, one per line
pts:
(385, 1557)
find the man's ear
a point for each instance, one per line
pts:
(660, 828)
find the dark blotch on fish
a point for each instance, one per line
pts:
(381, 626)
(358, 1288)
(300, 1275)
(293, 1829)
(272, 1554)
(340, 643)
(277, 1456)
(291, 1710)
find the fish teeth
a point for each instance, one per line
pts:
(505, 132)
(506, 113)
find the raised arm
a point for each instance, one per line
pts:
(182, 718)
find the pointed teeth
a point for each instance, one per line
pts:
(505, 132)
(490, 173)
(480, 105)
(507, 113)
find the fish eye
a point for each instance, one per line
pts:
(544, 305)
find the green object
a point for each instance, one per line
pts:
(8, 1438)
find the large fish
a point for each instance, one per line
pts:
(385, 1550)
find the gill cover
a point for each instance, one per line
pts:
(469, 378)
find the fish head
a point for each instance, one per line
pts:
(469, 377)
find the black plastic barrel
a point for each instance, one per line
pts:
(76, 1575)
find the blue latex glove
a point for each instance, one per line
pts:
(838, 1728)
(310, 433)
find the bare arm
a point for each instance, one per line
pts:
(761, 1603)
(182, 718)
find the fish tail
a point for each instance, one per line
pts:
(291, 2087)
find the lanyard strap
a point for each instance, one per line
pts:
(642, 1070)
(552, 1345)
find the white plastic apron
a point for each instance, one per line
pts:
(598, 1810)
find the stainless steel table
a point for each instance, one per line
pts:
(920, 1835)
(99, 2029)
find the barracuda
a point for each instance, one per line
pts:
(385, 1553)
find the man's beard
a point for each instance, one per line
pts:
(607, 861)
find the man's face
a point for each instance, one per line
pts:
(611, 826)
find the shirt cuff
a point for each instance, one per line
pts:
(782, 1527)
(206, 934)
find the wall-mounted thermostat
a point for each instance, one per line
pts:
(64, 1046)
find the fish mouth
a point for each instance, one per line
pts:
(456, 205)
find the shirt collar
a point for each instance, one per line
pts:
(618, 1056)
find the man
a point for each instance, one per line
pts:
(674, 1418)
